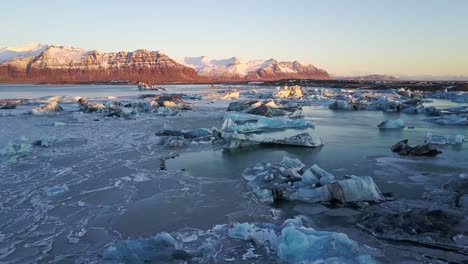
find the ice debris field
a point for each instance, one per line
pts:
(234, 174)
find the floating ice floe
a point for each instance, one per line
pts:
(403, 148)
(452, 119)
(47, 109)
(391, 124)
(237, 140)
(297, 243)
(345, 105)
(289, 92)
(181, 138)
(16, 149)
(188, 134)
(444, 140)
(286, 180)
(261, 108)
(252, 123)
(292, 242)
(145, 87)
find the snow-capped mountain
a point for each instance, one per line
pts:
(61, 64)
(255, 70)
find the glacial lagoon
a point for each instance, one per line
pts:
(102, 181)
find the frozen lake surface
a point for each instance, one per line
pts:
(101, 182)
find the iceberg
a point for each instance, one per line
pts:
(47, 109)
(391, 124)
(237, 140)
(254, 123)
(285, 180)
(297, 243)
(289, 92)
(444, 140)
(452, 119)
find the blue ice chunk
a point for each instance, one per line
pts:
(161, 248)
(300, 244)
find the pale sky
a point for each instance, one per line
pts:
(411, 37)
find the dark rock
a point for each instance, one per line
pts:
(403, 148)
(261, 110)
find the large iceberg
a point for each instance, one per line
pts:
(237, 140)
(292, 242)
(297, 243)
(286, 180)
(253, 123)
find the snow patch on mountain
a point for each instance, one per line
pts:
(232, 66)
(9, 53)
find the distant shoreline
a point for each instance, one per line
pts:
(343, 84)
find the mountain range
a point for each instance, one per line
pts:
(60, 64)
